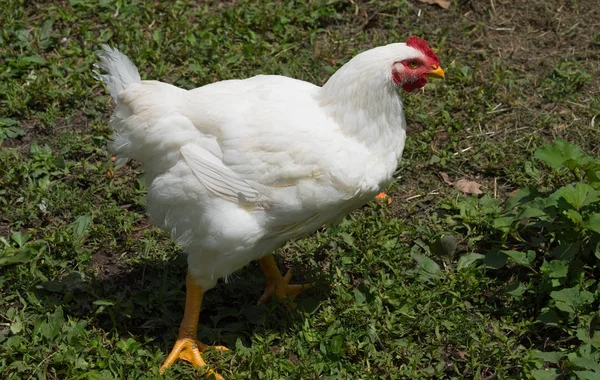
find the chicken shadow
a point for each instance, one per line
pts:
(146, 300)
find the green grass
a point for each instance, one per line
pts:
(90, 290)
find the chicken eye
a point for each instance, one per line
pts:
(413, 64)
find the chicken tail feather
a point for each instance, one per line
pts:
(121, 73)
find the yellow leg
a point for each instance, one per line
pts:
(276, 283)
(187, 346)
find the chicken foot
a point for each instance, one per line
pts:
(187, 347)
(276, 283)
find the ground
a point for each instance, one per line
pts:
(91, 290)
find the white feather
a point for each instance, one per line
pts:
(121, 72)
(216, 177)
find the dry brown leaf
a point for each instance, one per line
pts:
(468, 187)
(442, 3)
(445, 178)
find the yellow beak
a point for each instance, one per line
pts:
(436, 72)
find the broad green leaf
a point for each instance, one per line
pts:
(55, 321)
(590, 337)
(449, 244)
(548, 203)
(558, 153)
(53, 286)
(495, 259)
(34, 59)
(490, 205)
(521, 258)
(591, 167)
(81, 225)
(535, 209)
(23, 256)
(444, 246)
(347, 238)
(58, 318)
(575, 216)
(359, 298)
(549, 317)
(104, 302)
(468, 260)
(593, 223)
(12, 132)
(253, 313)
(579, 195)
(19, 238)
(37, 150)
(585, 363)
(23, 36)
(504, 223)
(545, 374)
(555, 268)
(16, 326)
(6, 122)
(191, 38)
(336, 343)
(563, 306)
(45, 30)
(427, 267)
(522, 196)
(566, 251)
(548, 356)
(44, 36)
(595, 339)
(566, 294)
(573, 297)
(587, 375)
(128, 346)
(195, 68)
(517, 289)
(157, 35)
(593, 177)
(308, 304)
(323, 347)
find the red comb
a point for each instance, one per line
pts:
(420, 44)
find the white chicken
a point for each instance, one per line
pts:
(236, 168)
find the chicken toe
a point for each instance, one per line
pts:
(277, 284)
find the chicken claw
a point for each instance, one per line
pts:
(191, 351)
(276, 283)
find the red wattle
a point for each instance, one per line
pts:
(411, 86)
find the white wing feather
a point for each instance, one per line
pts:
(216, 177)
